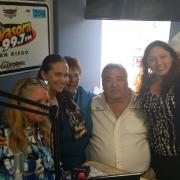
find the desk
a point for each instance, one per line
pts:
(109, 170)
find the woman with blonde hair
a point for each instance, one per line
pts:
(27, 153)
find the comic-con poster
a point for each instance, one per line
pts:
(24, 36)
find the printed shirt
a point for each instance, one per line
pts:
(159, 111)
(72, 150)
(83, 98)
(37, 165)
(119, 142)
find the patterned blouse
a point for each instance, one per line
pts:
(35, 166)
(160, 111)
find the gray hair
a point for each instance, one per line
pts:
(113, 66)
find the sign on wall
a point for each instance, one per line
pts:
(137, 60)
(24, 36)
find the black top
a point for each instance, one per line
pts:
(163, 115)
(160, 113)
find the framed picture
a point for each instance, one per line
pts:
(24, 36)
(137, 60)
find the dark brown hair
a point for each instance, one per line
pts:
(48, 62)
(113, 66)
(73, 63)
(169, 79)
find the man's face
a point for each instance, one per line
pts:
(115, 84)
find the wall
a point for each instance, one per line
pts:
(175, 28)
(7, 82)
(78, 37)
(74, 36)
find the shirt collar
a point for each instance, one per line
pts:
(102, 104)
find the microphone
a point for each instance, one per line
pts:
(55, 129)
(18, 172)
(21, 99)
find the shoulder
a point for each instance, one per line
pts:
(98, 101)
(134, 100)
(134, 106)
(177, 90)
(177, 86)
(81, 91)
(97, 98)
(177, 83)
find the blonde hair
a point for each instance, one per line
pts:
(15, 120)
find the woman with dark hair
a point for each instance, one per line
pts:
(80, 95)
(160, 102)
(73, 92)
(75, 124)
(54, 70)
(74, 129)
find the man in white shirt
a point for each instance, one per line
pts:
(119, 135)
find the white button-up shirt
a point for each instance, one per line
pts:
(119, 142)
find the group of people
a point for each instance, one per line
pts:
(118, 128)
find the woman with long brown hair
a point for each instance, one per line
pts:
(75, 125)
(160, 102)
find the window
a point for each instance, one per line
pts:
(124, 42)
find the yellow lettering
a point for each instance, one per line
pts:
(7, 33)
(28, 27)
(19, 30)
(1, 34)
(13, 30)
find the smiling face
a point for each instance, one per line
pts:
(38, 94)
(115, 84)
(73, 81)
(159, 61)
(57, 76)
